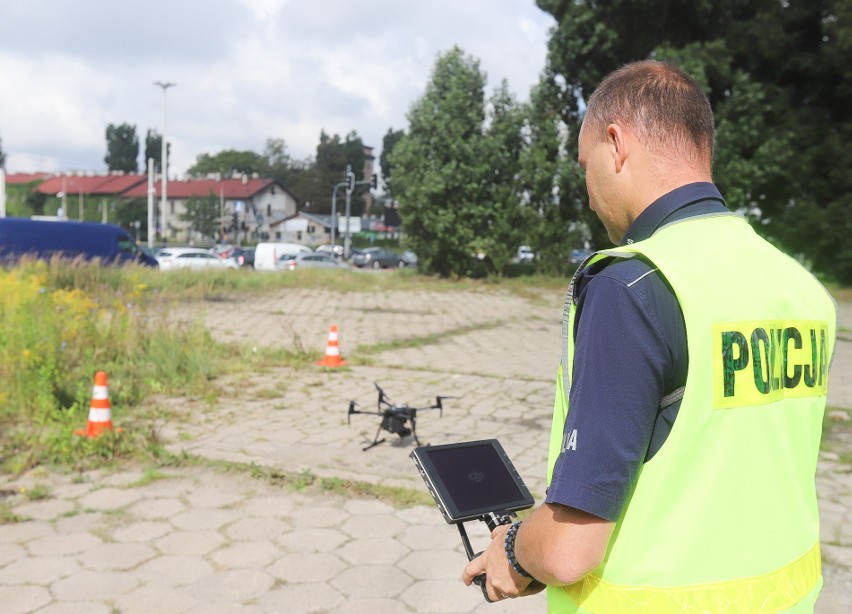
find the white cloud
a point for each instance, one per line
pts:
(246, 70)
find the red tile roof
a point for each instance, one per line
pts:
(120, 183)
(231, 189)
(93, 185)
(22, 178)
(136, 186)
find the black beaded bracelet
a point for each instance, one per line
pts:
(509, 546)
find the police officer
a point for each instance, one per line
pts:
(691, 391)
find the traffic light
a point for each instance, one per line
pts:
(350, 182)
(374, 181)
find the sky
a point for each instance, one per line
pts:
(245, 71)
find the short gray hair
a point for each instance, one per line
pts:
(666, 109)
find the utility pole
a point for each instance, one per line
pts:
(164, 163)
(64, 193)
(334, 212)
(349, 183)
(151, 193)
(350, 186)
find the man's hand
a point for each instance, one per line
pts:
(502, 582)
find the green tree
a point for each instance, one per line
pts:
(316, 181)
(440, 170)
(278, 163)
(128, 212)
(154, 149)
(122, 148)
(228, 163)
(504, 223)
(36, 201)
(552, 181)
(388, 144)
(280, 166)
(778, 77)
(202, 215)
(2, 156)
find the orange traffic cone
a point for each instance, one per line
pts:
(100, 418)
(332, 350)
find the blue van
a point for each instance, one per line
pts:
(109, 243)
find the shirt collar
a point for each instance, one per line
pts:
(668, 204)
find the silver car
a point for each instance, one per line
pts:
(194, 258)
(307, 260)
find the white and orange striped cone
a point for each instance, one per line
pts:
(100, 415)
(332, 350)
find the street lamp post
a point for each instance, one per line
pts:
(164, 163)
(334, 212)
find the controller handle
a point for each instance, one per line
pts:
(493, 520)
(480, 582)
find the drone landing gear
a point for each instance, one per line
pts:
(395, 424)
(374, 444)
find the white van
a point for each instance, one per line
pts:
(266, 254)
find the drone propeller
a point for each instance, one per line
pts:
(439, 403)
(383, 398)
(352, 410)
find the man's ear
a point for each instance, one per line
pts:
(617, 141)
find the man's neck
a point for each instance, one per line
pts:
(662, 184)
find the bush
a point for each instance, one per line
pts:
(59, 324)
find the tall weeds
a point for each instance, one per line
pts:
(59, 324)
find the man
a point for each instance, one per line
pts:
(695, 366)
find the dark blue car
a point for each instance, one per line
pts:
(109, 243)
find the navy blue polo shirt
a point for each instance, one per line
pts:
(630, 351)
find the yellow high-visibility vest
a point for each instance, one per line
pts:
(724, 517)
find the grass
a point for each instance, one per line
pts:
(212, 285)
(413, 342)
(150, 475)
(7, 516)
(185, 285)
(38, 492)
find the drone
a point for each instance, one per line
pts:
(394, 416)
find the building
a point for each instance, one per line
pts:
(250, 209)
(76, 190)
(257, 205)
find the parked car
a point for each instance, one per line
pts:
(246, 257)
(307, 260)
(524, 254)
(377, 258)
(577, 256)
(409, 258)
(266, 255)
(236, 253)
(336, 250)
(223, 250)
(150, 252)
(194, 258)
(44, 239)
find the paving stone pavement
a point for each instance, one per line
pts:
(203, 540)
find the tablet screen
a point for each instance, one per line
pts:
(473, 478)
